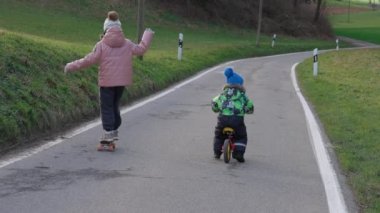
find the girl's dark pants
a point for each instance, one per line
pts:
(109, 107)
(237, 123)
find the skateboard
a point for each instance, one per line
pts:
(106, 146)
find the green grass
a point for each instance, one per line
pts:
(34, 94)
(366, 34)
(344, 3)
(363, 26)
(346, 97)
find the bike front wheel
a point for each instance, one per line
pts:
(227, 151)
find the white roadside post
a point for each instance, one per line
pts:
(273, 39)
(180, 45)
(337, 43)
(315, 65)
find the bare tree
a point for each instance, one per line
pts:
(349, 11)
(140, 21)
(317, 11)
(295, 3)
(259, 22)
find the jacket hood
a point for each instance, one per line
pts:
(234, 92)
(237, 87)
(114, 37)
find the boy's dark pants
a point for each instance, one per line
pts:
(237, 123)
(109, 107)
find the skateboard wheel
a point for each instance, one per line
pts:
(112, 147)
(109, 146)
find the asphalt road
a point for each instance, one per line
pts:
(164, 159)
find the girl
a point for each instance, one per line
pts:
(113, 53)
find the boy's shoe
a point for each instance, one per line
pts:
(217, 155)
(239, 157)
(107, 136)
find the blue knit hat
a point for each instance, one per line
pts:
(232, 77)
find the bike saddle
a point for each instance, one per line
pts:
(228, 130)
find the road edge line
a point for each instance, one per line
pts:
(333, 190)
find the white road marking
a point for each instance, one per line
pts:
(334, 195)
(97, 122)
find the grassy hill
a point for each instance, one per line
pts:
(362, 26)
(362, 23)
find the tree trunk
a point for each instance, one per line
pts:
(259, 23)
(140, 22)
(295, 3)
(318, 11)
(349, 11)
(188, 7)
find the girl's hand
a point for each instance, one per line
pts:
(66, 70)
(149, 30)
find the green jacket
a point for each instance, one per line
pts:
(232, 101)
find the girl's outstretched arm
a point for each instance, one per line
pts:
(143, 46)
(90, 59)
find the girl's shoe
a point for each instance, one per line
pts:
(115, 135)
(107, 136)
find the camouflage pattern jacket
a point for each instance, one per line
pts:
(232, 101)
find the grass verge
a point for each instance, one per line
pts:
(346, 97)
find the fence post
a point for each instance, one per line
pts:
(315, 60)
(337, 43)
(180, 46)
(273, 39)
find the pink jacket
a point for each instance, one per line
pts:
(114, 55)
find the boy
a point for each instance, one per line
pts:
(232, 104)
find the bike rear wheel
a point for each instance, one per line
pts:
(227, 151)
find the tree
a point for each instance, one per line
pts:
(259, 22)
(140, 21)
(349, 11)
(318, 11)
